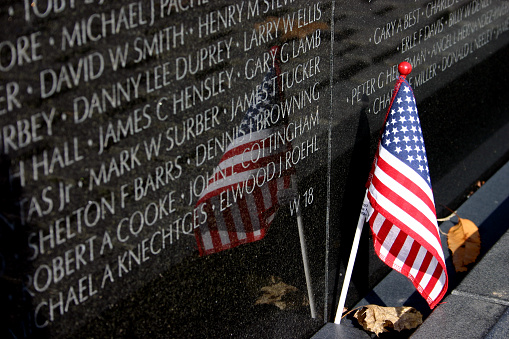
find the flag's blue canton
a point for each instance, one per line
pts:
(403, 135)
(265, 98)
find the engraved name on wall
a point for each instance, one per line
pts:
(114, 117)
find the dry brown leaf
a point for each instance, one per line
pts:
(464, 241)
(282, 295)
(377, 319)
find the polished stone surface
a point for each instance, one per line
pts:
(115, 114)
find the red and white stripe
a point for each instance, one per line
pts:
(403, 221)
(243, 167)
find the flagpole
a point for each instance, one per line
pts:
(351, 260)
(300, 226)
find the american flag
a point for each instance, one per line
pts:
(402, 210)
(241, 199)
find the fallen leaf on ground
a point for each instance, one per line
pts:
(464, 241)
(282, 295)
(377, 319)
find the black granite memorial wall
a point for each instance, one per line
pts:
(184, 169)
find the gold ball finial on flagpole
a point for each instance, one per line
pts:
(404, 68)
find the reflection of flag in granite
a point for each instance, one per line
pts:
(402, 213)
(242, 197)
